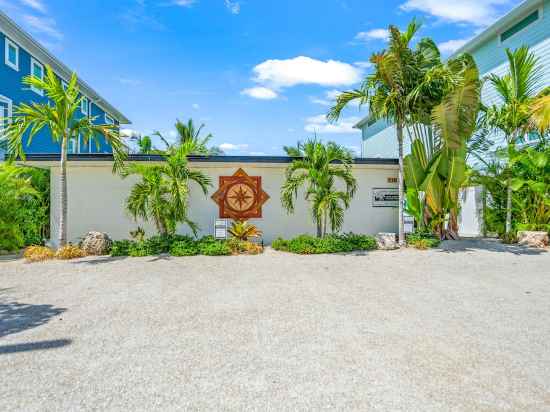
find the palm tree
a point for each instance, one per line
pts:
(162, 195)
(397, 72)
(513, 117)
(60, 117)
(189, 136)
(317, 166)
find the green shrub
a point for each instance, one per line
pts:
(121, 248)
(534, 227)
(215, 248)
(280, 244)
(185, 248)
(308, 245)
(11, 238)
(422, 240)
(359, 242)
(141, 249)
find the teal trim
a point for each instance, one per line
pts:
(519, 26)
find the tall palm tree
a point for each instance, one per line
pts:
(513, 117)
(60, 117)
(162, 195)
(317, 167)
(397, 72)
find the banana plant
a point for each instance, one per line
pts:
(435, 173)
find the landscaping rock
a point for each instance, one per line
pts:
(96, 243)
(533, 239)
(386, 241)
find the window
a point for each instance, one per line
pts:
(85, 106)
(109, 119)
(37, 70)
(12, 55)
(5, 114)
(64, 84)
(520, 25)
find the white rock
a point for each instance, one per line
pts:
(386, 241)
(533, 239)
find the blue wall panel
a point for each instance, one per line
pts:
(11, 86)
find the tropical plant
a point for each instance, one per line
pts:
(398, 71)
(514, 116)
(162, 195)
(187, 135)
(243, 230)
(16, 188)
(60, 117)
(144, 144)
(436, 168)
(531, 185)
(319, 167)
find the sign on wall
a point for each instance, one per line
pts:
(240, 196)
(385, 197)
(220, 229)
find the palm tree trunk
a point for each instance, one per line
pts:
(401, 185)
(62, 239)
(508, 205)
(510, 141)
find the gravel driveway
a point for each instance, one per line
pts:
(465, 327)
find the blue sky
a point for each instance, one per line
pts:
(259, 73)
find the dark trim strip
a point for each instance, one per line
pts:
(106, 157)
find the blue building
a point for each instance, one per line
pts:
(21, 56)
(526, 25)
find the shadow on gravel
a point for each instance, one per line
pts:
(16, 317)
(98, 260)
(490, 245)
(27, 347)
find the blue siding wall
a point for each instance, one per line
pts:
(490, 58)
(11, 86)
(492, 53)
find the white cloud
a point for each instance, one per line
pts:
(231, 146)
(262, 93)
(126, 81)
(374, 34)
(129, 133)
(35, 4)
(184, 3)
(451, 46)
(45, 25)
(234, 7)
(363, 65)
(477, 12)
(195, 106)
(320, 124)
(305, 70)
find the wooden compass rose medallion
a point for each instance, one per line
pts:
(240, 196)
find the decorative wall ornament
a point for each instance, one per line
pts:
(240, 196)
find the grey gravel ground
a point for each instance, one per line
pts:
(463, 328)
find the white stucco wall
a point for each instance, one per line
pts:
(97, 196)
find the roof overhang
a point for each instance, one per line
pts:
(500, 25)
(52, 159)
(24, 40)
